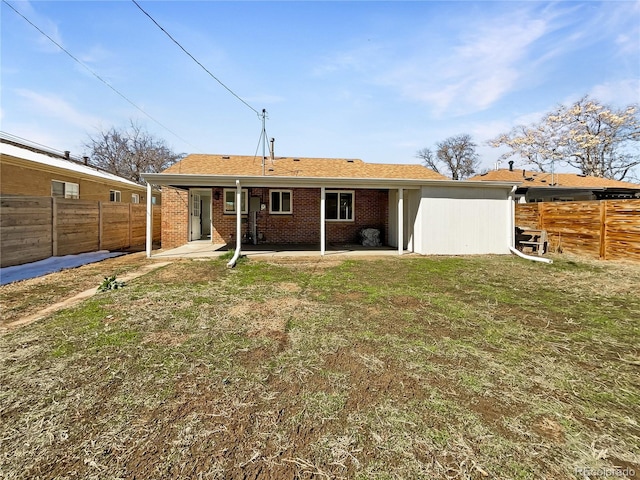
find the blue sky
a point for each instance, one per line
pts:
(370, 80)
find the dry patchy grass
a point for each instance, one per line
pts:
(451, 368)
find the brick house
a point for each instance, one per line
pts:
(561, 187)
(325, 202)
(35, 171)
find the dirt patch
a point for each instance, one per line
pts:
(372, 378)
(406, 301)
(550, 429)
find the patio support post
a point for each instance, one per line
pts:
(400, 221)
(149, 221)
(323, 196)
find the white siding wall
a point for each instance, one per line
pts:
(463, 220)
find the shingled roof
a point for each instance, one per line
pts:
(201, 164)
(540, 179)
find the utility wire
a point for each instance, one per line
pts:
(96, 75)
(193, 58)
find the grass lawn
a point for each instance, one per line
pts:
(390, 368)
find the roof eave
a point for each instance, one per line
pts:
(197, 180)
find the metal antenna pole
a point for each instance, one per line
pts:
(264, 139)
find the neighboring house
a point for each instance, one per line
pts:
(288, 200)
(561, 187)
(31, 170)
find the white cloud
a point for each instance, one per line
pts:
(488, 61)
(45, 24)
(620, 93)
(56, 107)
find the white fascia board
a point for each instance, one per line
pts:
(195, 180)
(60, 164)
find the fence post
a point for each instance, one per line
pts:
(603, 230)
(54, 227)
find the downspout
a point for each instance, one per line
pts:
(529, 257)
(236, 255)
(149, 238)
(512, 233)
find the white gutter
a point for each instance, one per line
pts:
(232, 262)
(530, 257)
(198, 180)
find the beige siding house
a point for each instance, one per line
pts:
(561, 187)
(25, 171)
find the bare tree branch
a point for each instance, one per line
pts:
(130, 152)
(456, 157)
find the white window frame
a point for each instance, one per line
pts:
(67, 189)
(135, 198)
(353, 205)
(115, 196)
(244, 200)
(280, 212)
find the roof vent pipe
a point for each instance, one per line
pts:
(86, 160)
(273, 153)
(511, 165)
(67, 154)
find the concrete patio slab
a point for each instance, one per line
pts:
(206, 249)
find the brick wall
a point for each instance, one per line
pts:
(303, 225)
(22, 180)
(175, 217)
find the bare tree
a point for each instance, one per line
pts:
(594, 138)
(130, 152)
(455, 157)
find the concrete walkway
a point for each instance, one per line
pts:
(206, 249)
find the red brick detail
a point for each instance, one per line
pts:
(175, 217)
(303, 225)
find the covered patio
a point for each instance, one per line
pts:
(200, 249)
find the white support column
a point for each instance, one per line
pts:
(400, 221)
(323, 196)
(238, 216)
(149, 221)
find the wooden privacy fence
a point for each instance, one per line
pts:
(606, 229)
(34, 228)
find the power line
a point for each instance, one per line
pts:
(194, 59)
(96, 75)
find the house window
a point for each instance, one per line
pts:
(64, 189)
(281, 202)
(230, 200)
(135, 198)
(115, 196)
(339, 206)
(154, 200)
